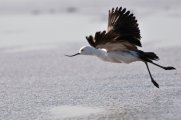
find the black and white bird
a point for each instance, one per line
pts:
(119, 43)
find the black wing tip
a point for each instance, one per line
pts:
(124, 13)
(116, 9)
(90, 40)
(121, 18)
(90, 37)
(121, 10)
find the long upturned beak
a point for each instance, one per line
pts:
(73, 55)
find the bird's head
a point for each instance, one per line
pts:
(86, 50)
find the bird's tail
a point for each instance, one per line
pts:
(147, 56)
(151, 55)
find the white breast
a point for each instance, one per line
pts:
(119, 56)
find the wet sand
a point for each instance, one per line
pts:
(35, 85)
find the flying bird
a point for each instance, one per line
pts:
(119, 44)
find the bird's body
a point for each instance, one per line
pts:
(117, 56)
(119, 44)
(126, 56)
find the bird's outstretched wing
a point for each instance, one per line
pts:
(122, 32)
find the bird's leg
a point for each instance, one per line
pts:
(165, 68)
(152, 80)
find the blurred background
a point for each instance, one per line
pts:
(37, 82)
(45, 24)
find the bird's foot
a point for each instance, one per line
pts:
(169, 68)
(155, 83)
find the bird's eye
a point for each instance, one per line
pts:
(82, 50)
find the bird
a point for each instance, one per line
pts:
(120, 42)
